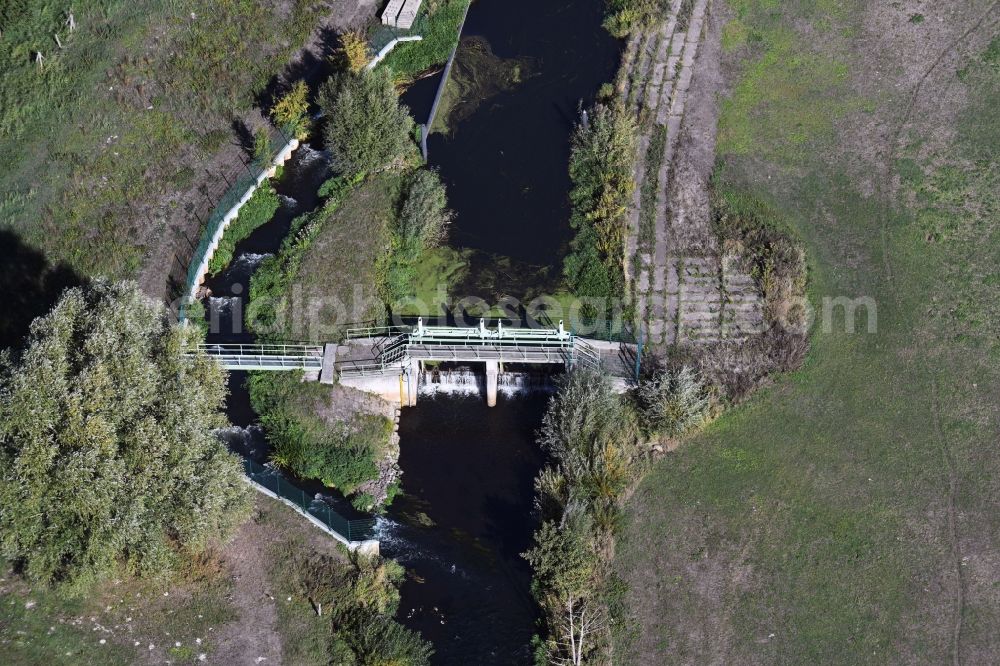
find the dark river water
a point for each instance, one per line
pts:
(465, 515)
(467, 467)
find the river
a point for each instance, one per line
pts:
(468, 468)
(465, 515)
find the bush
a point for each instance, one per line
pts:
(673, 403)
(108, 455)
(751, 230)
(589, 433)
(377, 639)
(361, 601)
(353, 51)
(601, 163)
(262, 148)
(338, 462)
(342, 455)
(292, 111)
(422, 224)
(366, 128)
(424, 218)
(258, 210)
(625, 16)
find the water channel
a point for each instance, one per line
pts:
(465, 515)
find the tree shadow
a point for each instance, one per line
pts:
(31, 286)
(244, 137)
(313, 67)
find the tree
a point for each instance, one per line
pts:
(108, 456)
(292, 109)
(566, 575)
(366, 127)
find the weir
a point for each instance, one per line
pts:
(389, 361)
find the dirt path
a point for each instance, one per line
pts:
(685, 290)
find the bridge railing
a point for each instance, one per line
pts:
(376, 331)
(273, 357)
(368, 369)
(505, 354)
(352, 530)
(586, 356)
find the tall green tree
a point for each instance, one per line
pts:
(366, 127)
(108, 458)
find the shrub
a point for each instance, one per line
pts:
(377, 639)
(292, 110)
(337, 463)
(751, 230)
(424, 218)
(108, 455)
(673, 403)
(366, 128)
(625, 16)
(340, 454)
(353, 51)
(601, 163)
(262, 148)
(361, 601)
(590, 435)
(421, 224)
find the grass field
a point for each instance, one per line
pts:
(107, 139)
(848, 513)
(241, 602)
(332, 268)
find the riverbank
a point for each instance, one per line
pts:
(243, 602)
(876, 457)
(136, 129)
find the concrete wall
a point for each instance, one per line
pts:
(391, 388)
(232, 213)
(389, 47)
(370, 547)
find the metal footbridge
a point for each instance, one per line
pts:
(389, 350)
(266, 357)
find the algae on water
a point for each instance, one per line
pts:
(477, 75)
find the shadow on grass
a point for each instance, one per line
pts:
(312, 66)
(30, 286)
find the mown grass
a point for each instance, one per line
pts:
(810, 524)
(96, 138)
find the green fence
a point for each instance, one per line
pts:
(612, 330)
(236, 187)
(352, 530)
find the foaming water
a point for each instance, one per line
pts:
(249, 442)
(465, 382)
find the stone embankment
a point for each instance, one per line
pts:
(686, 291)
